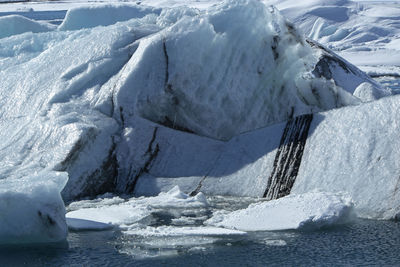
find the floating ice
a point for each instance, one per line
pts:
(31, 209)
(173, 231)
(75, 99)
(86, 225)
(133, 210)
(307, 211)
(15, 24)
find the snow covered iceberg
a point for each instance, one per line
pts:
(112, 104)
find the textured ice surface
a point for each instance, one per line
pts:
(102, 15)
(15, 24)
(166, 82)
(32, 210)
(128, 212)
(306, 211)
(365, 165)
(85, 99)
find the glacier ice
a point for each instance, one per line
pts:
(141, 102)
(16, 24)
(126, 213)
(32, 210)
(311, 210)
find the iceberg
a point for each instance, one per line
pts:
(148, 99)
(32, 210)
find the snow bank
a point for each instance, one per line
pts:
(32, 210)
(307, 211)
(15, 24)
(103, 15)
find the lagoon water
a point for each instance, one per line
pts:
(361, 242)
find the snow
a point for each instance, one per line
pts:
(363, 32)
(311, 210)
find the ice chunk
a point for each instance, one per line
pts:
(366, 92)
(103, 15)
(182, 231)
(31, 209)
(307, 211)
(16, 24)
(128, 212)
(85, 225)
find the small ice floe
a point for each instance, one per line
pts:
(306, 211)
(86, 225)
(125, 213)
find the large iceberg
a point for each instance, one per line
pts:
(141, 102)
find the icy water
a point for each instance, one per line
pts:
(362, 242)
(390, 82)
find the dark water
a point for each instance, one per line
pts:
(361, 243)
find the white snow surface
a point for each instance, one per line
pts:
(364, 32)
(311, 210)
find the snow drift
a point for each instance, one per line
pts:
(112, 103)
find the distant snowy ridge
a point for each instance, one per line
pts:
(364, 32)
(112, 106)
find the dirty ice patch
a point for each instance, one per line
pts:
(307, 211)
(123, 213)
(31, 209)
(103, 15)
(15, 24)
